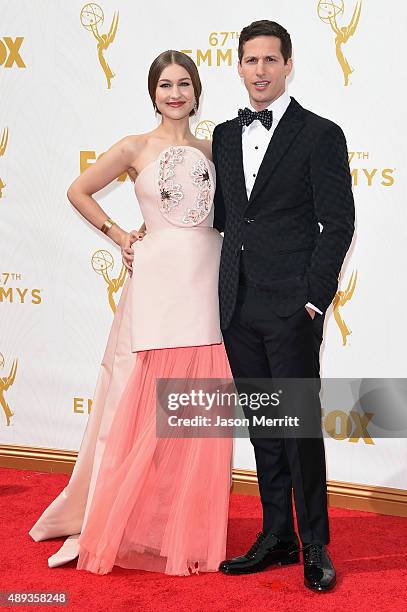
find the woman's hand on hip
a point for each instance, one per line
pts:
(127, 250)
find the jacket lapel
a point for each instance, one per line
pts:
(236, 162)
(288, 127)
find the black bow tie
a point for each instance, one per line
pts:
(247, 116)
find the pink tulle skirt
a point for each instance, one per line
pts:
(160, 504)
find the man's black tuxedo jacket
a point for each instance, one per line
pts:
(304, 179)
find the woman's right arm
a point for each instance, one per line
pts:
(108, 167)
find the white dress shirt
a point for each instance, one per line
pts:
(255, 140)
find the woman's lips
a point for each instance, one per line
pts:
(176, 104)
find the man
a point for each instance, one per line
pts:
(284, 202)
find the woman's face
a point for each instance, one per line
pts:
(175, 96)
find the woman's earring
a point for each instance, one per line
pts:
(195, 107)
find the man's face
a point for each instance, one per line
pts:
(263, 70)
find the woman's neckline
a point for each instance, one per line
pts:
(175, 146)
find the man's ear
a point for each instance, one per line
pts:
(288, 66)
(239, 68)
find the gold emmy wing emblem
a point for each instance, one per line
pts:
(3, 147)
(5, 384)
(339, 300)
(102, 262)
(328, 12)
(204, 130)
(91, 17)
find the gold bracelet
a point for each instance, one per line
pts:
(107, 225)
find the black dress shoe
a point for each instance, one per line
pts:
(319, 572)
(267, 550)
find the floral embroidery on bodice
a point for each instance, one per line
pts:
(185, 185)
(171, 193)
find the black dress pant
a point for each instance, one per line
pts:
(260, 344)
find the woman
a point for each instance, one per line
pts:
(134, 499)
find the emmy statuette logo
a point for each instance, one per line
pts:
(339, 301)
(3, 147)
(92, 17)
(5, 383)
(204, 130)
(328, 12)
(102, 261)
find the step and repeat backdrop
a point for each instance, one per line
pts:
(73, 80)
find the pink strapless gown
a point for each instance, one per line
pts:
(135, 500)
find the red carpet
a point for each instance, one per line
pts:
(369, 551)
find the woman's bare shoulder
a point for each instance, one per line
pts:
(132, 144)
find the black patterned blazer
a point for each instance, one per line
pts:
(303, 181)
